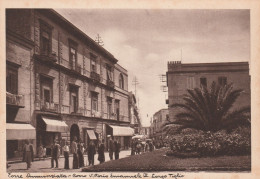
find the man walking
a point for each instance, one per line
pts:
(28, 153)
(111, 147)
(55, 154)
(117, 149)
(74, 152)
(66, 155)
(91, 153)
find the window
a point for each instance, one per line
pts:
(222, 80)
(46, 90)
(190, 82)
(73, 54)
(109, 107)
(94, 102)
(121, 81)
(12, 79)
(203, 82)
(45, 38)
(109, 73)
(93, 61)
(117, 109)
(74, 98)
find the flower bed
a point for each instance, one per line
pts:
(237, 142)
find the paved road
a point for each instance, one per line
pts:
(45, 165)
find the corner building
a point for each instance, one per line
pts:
(72, 86)
(181, 77)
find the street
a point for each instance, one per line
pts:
(45, 165)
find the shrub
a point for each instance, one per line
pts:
(237, 142)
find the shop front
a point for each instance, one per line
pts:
(48, 130)
(16, 135)
(121, 133)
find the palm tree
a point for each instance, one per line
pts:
(210, 110)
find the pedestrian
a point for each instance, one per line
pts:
(111, 148)
(151, 147)
(132, 147)
(117, 149)
(74, 150)
(101, 151)
(44, 152)
(55, 154)
(138, 147)
(91, 153)
(80, 155)
(40, 152)
(28, 154)
(66, 151)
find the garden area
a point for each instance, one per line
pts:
(207, 125)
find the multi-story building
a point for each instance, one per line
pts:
(159, 119)
(62, 82)
(181, 77)
(134, 114)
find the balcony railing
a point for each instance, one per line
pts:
(51, 107)
(15, 100)
(110, 83)
(78, 111)
(95, 76)
(47, 57)
(75, 67)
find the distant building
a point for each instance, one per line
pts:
(146, 131)
(181, 77)
(159, 119)
(60, 84)
(134, 113)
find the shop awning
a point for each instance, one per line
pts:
(122, 131)
(20, 131)
(53, 125)
(91, 135)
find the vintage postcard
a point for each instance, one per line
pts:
(143, 89)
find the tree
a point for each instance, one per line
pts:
(210, 110)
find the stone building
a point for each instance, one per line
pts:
(159, 119)
(69, 85)
(181, 77)
(134, 114)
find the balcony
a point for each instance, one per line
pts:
(15, 100)
(75, 67)
(47, 57)
(96, 114)
(78, 111)
(94, 76)
(50, 107)
(110, 84)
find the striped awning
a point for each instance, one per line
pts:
(20, 131)
(122, 131)
(53, 125)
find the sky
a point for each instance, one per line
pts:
(144, 40)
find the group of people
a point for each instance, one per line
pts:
(114, 147)
(137, 146)
(77, 149)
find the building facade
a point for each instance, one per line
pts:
(69, 85)
(134, 114)
(181, 77)
(159, 119)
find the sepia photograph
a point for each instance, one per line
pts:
(128, 90)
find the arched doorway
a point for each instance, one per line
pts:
(74, 132)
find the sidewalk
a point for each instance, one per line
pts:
(45, 165)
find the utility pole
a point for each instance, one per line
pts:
(135, 83)
(99, 40)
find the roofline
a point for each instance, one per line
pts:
(56, 17)
(212, 64)
(160, 110)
